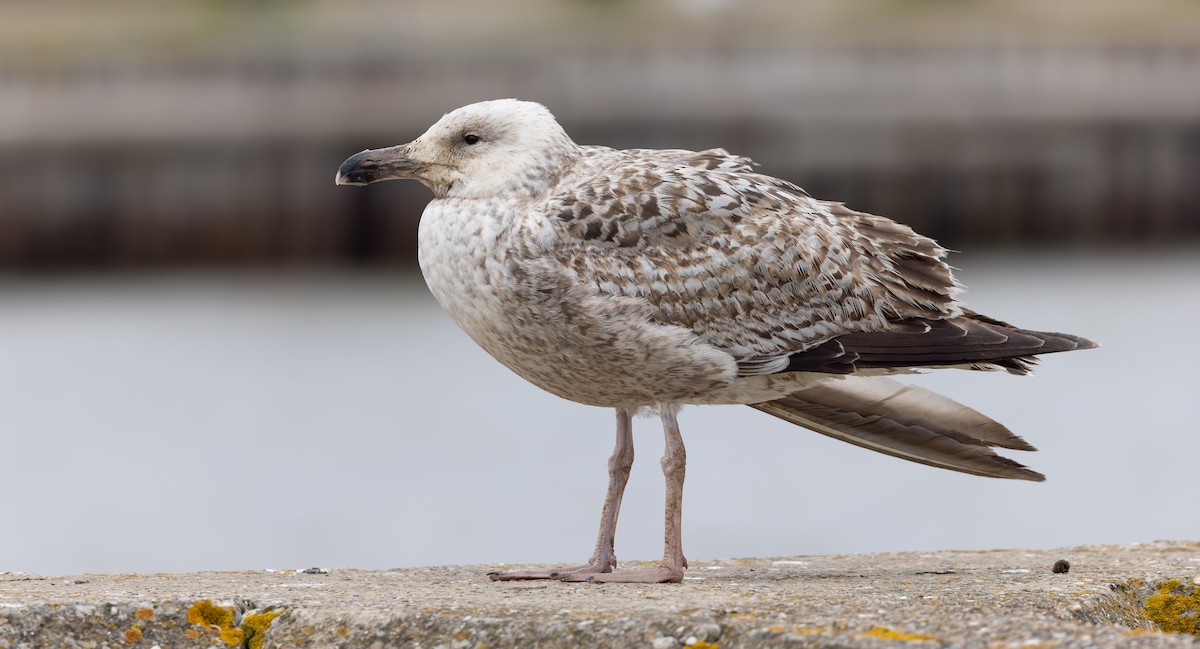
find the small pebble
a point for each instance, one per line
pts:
(1061, 566)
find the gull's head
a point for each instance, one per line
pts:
(481, 150)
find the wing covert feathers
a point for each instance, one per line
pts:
(752, 264)
(907, 422)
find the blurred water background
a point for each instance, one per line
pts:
(213, 358)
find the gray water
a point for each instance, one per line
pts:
(220, 420)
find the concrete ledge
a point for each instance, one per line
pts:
(1006, 598)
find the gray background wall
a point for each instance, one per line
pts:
(206, 131)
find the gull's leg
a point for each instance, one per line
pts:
(670, 570)
(603, 559)
(619, 464)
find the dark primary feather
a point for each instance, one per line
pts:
(971, 340)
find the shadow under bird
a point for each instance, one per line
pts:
(650, 279)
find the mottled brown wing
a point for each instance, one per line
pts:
(751, 263)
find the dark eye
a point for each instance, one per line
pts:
(471, 138)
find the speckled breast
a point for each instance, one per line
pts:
(535, 318)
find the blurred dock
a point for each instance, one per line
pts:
(208, 132)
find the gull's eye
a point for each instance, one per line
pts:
(471, 138)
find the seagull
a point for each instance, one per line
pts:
(644, 280)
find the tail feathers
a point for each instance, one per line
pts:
(907, 422)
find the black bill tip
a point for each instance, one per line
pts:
(358, 169)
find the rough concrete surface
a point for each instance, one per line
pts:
(1004, 598)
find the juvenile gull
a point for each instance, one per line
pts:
(646, 279)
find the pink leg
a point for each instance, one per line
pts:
(670, 570)
(603, 559)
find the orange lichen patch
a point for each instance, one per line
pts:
(884, 633)
(700, 644)
(1175, 607)
(133, 634)
(192, 634)
(812, 629)
(144, 613)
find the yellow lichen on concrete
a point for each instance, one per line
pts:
(218, 619)
(700, 644)
(232, 637)
(254, 627)
(250, 633)
(884, 633)
(210, 615)
(144, 613)
(133, 633)
(1175, 607)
